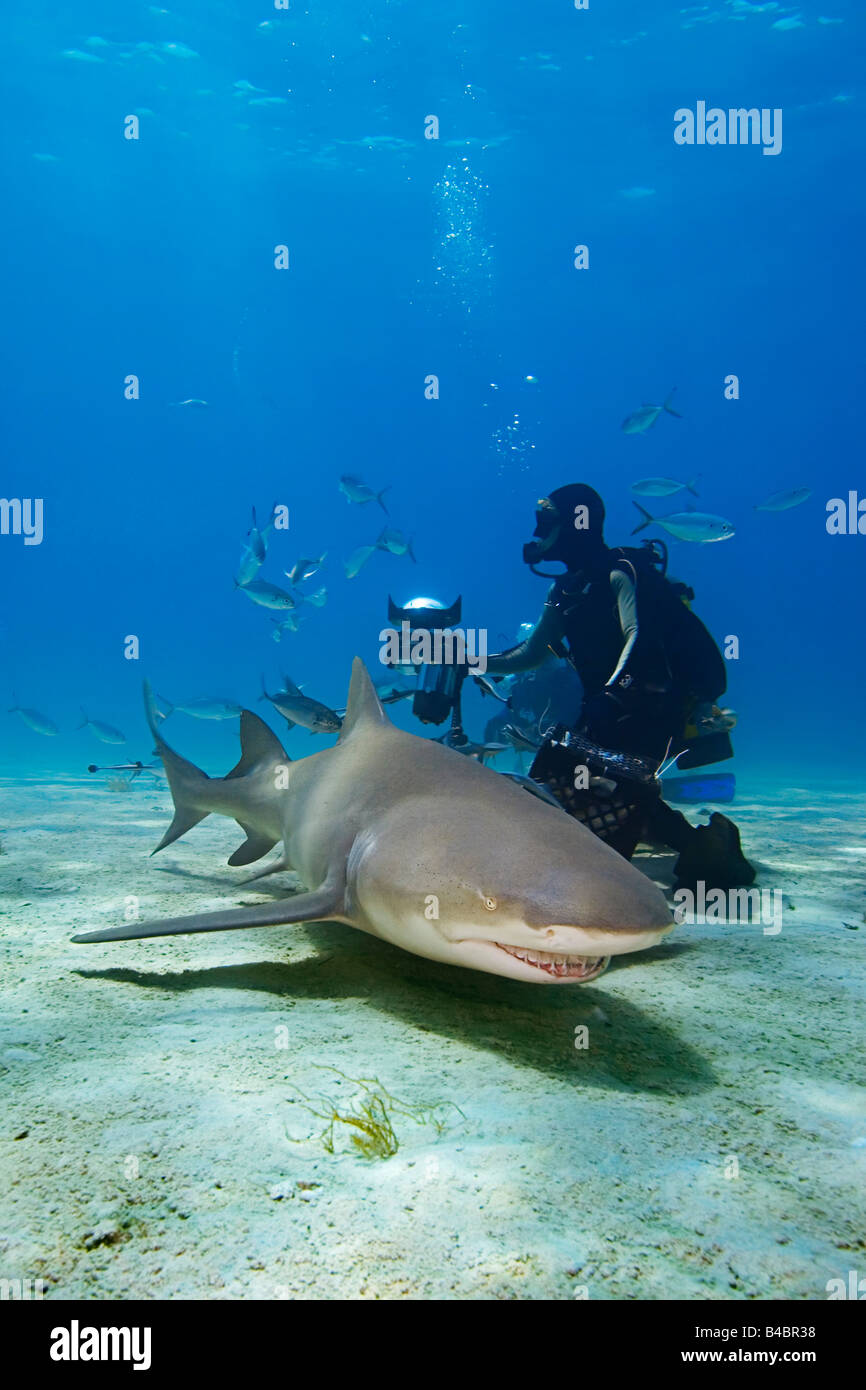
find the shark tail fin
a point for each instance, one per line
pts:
(647, 519)
(669, 408)
(380, 495)
(84, 720)
(363, 706)
(411, 553)
(186, 781)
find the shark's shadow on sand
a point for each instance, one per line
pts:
(530, 1026)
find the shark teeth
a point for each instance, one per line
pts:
(556, 963)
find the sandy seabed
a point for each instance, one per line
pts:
(709, 1142)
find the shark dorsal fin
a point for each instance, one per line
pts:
(259, 744)
(363, 706)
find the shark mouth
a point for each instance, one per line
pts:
(564, 967)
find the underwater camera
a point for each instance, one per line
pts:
(422, 625)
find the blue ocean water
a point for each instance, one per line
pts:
(260, 127)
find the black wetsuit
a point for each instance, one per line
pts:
(644, 661)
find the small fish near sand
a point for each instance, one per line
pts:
(39, 723)
(298, 708)
(267, 595)
(395, 543)
(356, 490)
(662, 487)
(784, 501)
(106, 733)
(644, 418)
(357, 560)
(688, 526)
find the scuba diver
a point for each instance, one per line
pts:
(651, 675)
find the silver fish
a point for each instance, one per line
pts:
(192, 403)
(250, 564)
(461, 744)
(268, 595)
(79, 56)
(520, 739)
(258, 538)
(390, 694)
(105, 732)
(395, 542)
(688, 526)
(783, 501)
(662, 487)
(134, 769)
(290, 623)
(304, 569)
(318, 599)
(645, 418)
(39, 723)
(297, 708)
(209, 708)
(356, 490)
(357, 560)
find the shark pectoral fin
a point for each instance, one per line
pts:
(277, 867)
(321, 905)
(254, 847)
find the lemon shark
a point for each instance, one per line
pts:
(406, 839)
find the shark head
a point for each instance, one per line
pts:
(500, 882)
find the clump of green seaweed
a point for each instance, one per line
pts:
(120, 785)
(368, 1116)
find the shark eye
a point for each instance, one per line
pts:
(489, 903)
